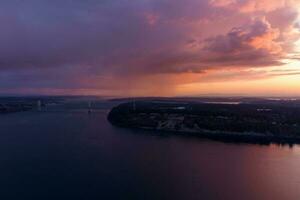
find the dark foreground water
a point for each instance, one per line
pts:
(68, 154)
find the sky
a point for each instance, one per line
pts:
(150, 47)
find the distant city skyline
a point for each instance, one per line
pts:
(150, 48)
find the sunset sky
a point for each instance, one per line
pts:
(150, 47)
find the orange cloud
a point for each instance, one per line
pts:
(248, 6)
(149, 47)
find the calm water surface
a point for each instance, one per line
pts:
(68, 154)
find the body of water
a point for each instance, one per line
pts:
(65, 153)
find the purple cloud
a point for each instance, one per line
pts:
(106, 44)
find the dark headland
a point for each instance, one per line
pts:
(261, 121)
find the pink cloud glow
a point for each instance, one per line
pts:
(143, 47)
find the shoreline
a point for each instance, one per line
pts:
(222, 136)
(243, 123)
